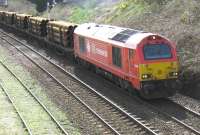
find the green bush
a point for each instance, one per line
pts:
(80, 15)
(40, 5)
(185, 17)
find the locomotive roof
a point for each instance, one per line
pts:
(124, 37)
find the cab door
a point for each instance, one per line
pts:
(132, 64)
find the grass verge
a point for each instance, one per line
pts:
(26, 78)
(10, 123)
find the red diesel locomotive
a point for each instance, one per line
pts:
(133, 59)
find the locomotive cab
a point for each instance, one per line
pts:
(157, 67)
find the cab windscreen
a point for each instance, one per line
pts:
(157, 51)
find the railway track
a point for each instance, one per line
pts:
(192, 118)
(191, 126)
(188, 109)
(187, 102)
(180, 114)
(27, 129)
(117, 120)
(33, 101)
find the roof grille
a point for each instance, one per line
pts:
(124, 35)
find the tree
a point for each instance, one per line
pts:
(41, 5)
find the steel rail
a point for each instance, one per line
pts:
(184, 108)
(17, 110)
(176, 120)
(170, 116)
(38, 101)
(76, 78)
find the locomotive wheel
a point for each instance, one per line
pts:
(59, 52)
(121, 83)
(92, 68)
(116, 81)
(132, 91)
(78, 61)
(144, 95)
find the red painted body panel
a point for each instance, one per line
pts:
(99, 53)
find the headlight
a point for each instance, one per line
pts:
(146, 76)
(173, 74)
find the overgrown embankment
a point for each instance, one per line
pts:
(21, 6)
(79, 11)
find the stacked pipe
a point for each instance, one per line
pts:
(22, 21)
(10, 18)
(38, 26)
(2, 16)
(61, 32)
(43, 27)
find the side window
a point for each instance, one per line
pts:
(116, 57)
(82, 44)
(131, 53)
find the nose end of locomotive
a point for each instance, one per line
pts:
(159, 89)
(147, 88)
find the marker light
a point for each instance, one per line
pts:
(146, 76)
(173, 74)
